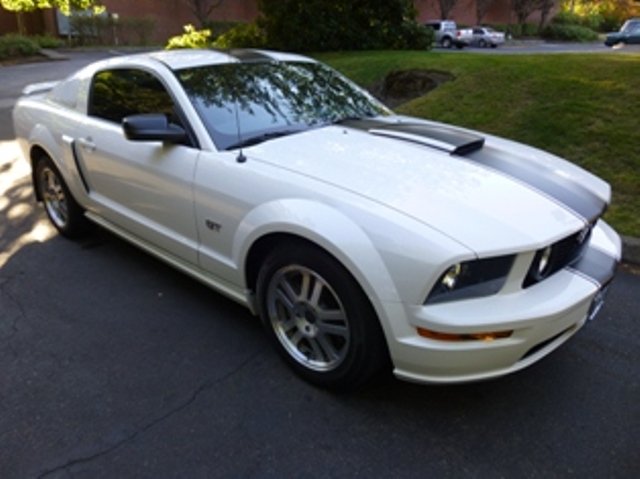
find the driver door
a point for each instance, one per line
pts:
(143, 187)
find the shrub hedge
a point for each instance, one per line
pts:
(245, 35)
(573, 33)
(317, 25)
(13, 45)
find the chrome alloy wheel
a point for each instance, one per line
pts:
(308, 318)
(54, 197)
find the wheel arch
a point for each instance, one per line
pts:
(36, 153)
(41, 143)
(323, 227)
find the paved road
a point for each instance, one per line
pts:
(114, 365)
(540, 47)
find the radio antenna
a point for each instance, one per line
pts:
(241, 158)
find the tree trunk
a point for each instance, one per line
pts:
(22, 30)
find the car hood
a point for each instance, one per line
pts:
(489, 210)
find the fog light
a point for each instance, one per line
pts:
(488, 336)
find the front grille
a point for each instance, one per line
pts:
(562, 254)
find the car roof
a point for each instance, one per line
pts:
(187, 58)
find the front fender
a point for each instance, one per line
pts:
(328, 228)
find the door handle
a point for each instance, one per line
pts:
(87, 144)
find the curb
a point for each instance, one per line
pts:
(52, 54)
(631, 250)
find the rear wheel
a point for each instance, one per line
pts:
(482, 43)
(62, 209)
(319, 319)
(446, 42)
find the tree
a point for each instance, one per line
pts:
(202, 9)
(524, 8)
(20, 7)
(482, 7)
(445, 7)
(323, 25)
(545, 7)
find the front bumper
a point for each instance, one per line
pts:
(542, 317)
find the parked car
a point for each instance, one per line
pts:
(486, 37)
(628, 34)
(361, 238)
(448, 35)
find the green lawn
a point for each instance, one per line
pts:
(585, 108)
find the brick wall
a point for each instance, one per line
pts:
(33, 22)
(170, 15)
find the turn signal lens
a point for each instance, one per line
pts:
(489, 336)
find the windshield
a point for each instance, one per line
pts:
(244, 103)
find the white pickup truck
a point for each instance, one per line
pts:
(448, 35)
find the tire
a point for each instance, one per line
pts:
(446, 42)
(319, 319)
(61, 208)
(494, 45)
(482, 43)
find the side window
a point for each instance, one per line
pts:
(116, 94)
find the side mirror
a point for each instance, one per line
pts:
(152, 127)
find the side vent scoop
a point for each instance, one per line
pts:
(450, 140)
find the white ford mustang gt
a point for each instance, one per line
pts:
(362, 239)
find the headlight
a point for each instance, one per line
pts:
(471, 279)
(553, 258)
(544, 261)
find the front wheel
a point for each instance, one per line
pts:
(61, 208)
(446, 42)
(319, 319)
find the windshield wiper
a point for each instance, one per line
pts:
(254, 140)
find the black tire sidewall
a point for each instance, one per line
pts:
(76, 224)
(367, 351)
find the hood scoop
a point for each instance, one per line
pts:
(450, 140)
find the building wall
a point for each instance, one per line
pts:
(464, 12)
(33, 22)
(169, 16)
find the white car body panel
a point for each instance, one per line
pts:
(376, 168)
(395, 213)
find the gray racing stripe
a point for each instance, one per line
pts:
(596, 265)
(248, 56)
(562, 189)
(565, 191)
